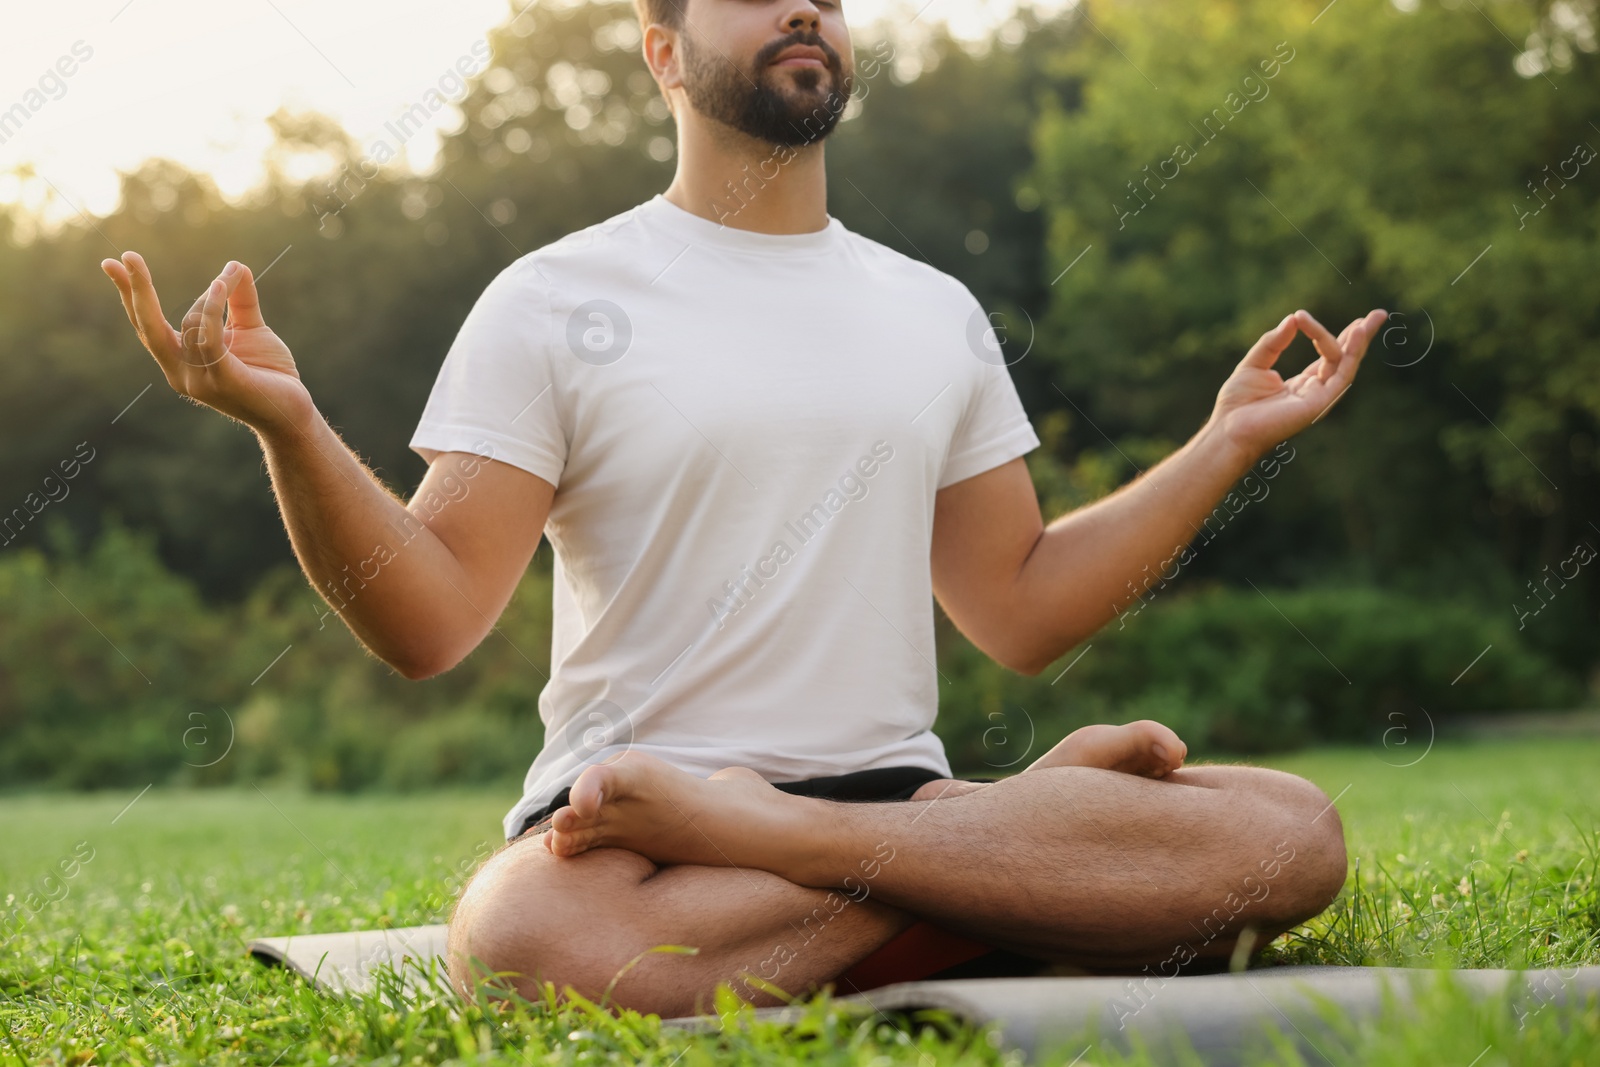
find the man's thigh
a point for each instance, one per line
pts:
(582, 920)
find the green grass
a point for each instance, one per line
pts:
(1479, 855)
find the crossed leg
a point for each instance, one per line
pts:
(1096, 868)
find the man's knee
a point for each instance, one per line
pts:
(532, 918)
(1312, 830)
(1296, 852)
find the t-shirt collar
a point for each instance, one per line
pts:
(686, 225)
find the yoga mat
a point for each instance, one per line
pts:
(1220, 1015)
(343, 964)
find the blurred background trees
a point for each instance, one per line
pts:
(1436, 159)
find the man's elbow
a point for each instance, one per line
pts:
(417, 670)
(1024, 661)
(422, 664)
(1032, 660)
(1029, 668)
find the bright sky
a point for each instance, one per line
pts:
(193, 80)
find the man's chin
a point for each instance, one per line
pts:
(800, 134)
(814, 110)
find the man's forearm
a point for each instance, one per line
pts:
(1093, 564)
(378, 566)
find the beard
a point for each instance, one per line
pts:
(756, 105)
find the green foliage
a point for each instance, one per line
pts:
(1258, 670)
(113, 672)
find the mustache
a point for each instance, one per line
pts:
(767, 54)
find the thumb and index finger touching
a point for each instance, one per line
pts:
(1341, 356)
(1333, 351)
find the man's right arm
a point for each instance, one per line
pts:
(419, 584)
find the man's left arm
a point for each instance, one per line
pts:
(1026, 593)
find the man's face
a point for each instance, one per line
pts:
(732, 72)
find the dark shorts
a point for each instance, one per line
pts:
(882, 783)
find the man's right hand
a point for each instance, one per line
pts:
(241, 369)
(447, 572)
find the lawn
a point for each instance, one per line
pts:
(1477, 854)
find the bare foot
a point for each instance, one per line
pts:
(737, 818)
(1145, 748)
(648, 806)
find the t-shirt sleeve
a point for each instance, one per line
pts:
(497, 383)
(993, 430)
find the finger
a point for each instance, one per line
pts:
(202, 327)
(154, 330)
(1354, 341)
(1366, 331)
(122, 278)
(192, 331)
(1265, 352)
(1326, 344)
(1346, 345)
(244, 303)
(216, 305)
(199, 333)
(118, 274)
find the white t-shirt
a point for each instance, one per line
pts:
(746, 432)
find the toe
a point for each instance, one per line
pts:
(566, 820)
(571, 844)
(591, 790)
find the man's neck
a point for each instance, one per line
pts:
(734, 179)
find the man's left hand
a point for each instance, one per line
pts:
(1256, 408)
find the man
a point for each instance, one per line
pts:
(745, 429)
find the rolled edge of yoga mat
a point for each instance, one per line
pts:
(1220, 1016)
